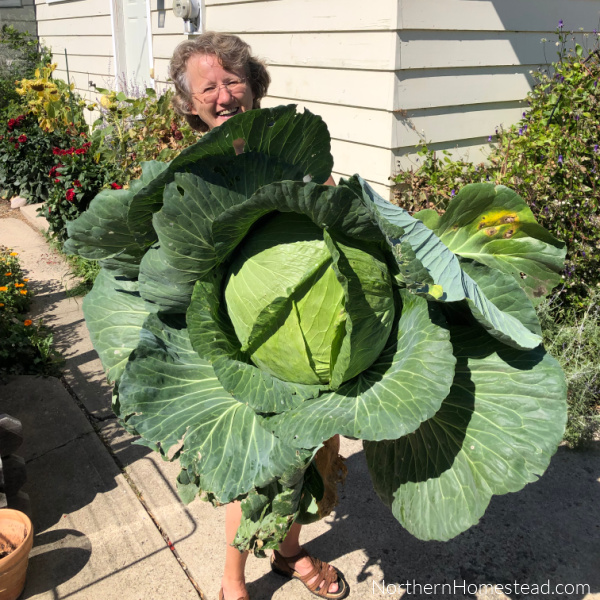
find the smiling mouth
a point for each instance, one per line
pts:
(229, 112)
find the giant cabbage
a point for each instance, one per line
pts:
(247, 313)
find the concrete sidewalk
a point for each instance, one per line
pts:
(109, 523)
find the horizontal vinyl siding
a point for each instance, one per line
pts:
(287, 16)
(498, 15)
(466, 67)
(338, 59)
(83, 29)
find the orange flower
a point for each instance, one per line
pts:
(14, 254)
(19, 285)
(3, 288)
(25, 278)
(1, 304)
(27, 322)
(7, 274)
(23, 292)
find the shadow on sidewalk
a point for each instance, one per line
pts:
(549, 531)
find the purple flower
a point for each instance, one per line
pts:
(546, 209)
(452, 193)
(596, 148)
(560, 159)
(577, 117)
(560, 24)
(490, 139)
(520, 131)
(524, 115)
(583, 253)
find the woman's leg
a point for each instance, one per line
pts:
(234, 580)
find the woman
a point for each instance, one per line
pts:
(216, 78)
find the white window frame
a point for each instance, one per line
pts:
(11, 4)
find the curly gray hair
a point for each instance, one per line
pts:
(232, 53)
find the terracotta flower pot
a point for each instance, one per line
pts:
(16, 538)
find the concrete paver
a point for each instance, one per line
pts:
(549, 531)
(93, 538)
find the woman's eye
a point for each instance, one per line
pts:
(208, 89)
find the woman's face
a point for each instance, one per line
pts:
(212, 101)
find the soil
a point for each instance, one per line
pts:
(6, 212)
(6, 548)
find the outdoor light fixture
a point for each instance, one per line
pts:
(189, 11)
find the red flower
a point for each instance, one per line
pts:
(20, 119)
(77, 183)
(116, 186)
(11, 124)
(56, 151)
(23, 138)
(70, 195)
(11, 138)
(16, 146)
(57, 181)
(1, 137)
(87, 145)
(80, 151)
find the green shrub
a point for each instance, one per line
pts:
(20, 55)
(551, 158)
(26, 158)
(135, 130)
(78, 174)
(574, 340)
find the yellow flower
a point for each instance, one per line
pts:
(3, 288)
(14, 254)
(24, 292)
(27, 322)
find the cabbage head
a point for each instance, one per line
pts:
(247, 313)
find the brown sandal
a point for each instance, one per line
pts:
(325, 576)
(222, 597)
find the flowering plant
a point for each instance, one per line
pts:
(25, 345)
(26, 157)
(77, 176)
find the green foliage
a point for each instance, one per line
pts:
(20, 55)
(461, 401)
(25, 345)
(78, 174)
(551, 158)
(15, 296)
(26, 158)
(136, 130)
(573, 338)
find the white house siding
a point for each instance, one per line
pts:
(21, 15)
(337, 58)
(465, 67)
(383, 75)
(83, 28)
